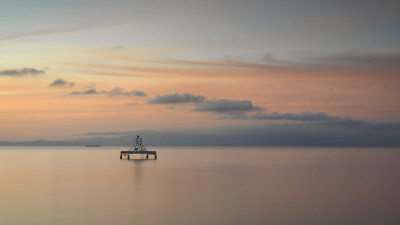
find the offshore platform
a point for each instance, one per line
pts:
(138, 148)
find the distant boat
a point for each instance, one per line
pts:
(92, 145)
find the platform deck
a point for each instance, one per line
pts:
(147, 153)
(139, 152)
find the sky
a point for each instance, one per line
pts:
(213, 68)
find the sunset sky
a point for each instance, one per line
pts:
(71, 69)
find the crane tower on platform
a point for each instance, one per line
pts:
(138, 145)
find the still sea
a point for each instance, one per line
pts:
(200, 185)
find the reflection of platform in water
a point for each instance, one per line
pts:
(139, 149)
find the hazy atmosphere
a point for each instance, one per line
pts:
(217, 112)
(302, 72)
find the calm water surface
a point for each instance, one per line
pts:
(200, 185)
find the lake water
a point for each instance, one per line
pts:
(200, 185)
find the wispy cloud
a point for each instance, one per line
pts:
(120, 91)
(305, 116)
(233, 63)
(227, 106)
(114, 92)
(294, 61)
(347, 58)
(118, 47)
(21, 72)
(10, 36)
(61, 83)
(86, 92)
(300, 117)
(177, 99)
(365, 59)
(138, 71)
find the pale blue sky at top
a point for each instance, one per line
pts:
(242, 29)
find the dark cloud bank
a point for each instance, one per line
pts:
(263, 134)
(331, 132)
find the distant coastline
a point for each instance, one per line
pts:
(199, 143)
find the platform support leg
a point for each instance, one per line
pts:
(155, 156)
(120, 156)
(128, 156)
(147, 156)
